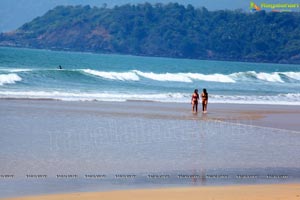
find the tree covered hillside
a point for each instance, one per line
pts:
(170, 30)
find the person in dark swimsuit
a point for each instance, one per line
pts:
(194, 101)
(204, 97)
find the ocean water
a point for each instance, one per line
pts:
(28, 73)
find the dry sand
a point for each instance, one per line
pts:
(251, 192)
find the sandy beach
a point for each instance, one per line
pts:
(47, 137)
(252, 192)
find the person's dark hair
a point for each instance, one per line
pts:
(205, 92)
(195, 91)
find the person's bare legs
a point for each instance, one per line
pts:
(195, 107)
(205, 106)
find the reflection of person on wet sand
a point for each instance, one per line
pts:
(194, 101)
(204, 97)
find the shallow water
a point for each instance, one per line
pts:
(52, 138)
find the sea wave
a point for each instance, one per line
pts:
(263, 76)
(123, 76)
(292, 75)
(105, 96)
(269, 77)
(9, 79)
(211, 77)
(134, 75)
(164, 77)
(137, 75)
(279, 99)
(20, 70)
(185, 77)
(16, 70)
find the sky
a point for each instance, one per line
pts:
(14, 13)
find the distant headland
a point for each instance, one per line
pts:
(165, 30)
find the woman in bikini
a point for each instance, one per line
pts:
(204, 97)
(194, 101)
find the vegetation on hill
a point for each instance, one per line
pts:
(170, 30)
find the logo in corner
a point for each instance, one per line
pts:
(254, 7)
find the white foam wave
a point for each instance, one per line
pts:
(273, 77)
(292, 75)
(295, 96)
(190, 77)
(20, 70)
(211, 77)
(9, 79)
(16, 70)
(129, 76)
(280, 99)
(172, 77)
(185, 77)
(134, 75)
(164, 77)
(106, 96)
(270, 77)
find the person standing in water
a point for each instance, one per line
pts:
(194, 101)
(204, 97)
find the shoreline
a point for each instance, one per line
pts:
(139, 101)
(262, 115)
(258, 192)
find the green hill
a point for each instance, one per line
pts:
(171, 30)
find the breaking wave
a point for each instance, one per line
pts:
(123, 76)
(136, 75)
(9, 79)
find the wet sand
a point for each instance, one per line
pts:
(38, 134)
(251, 192)
(272, 116)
